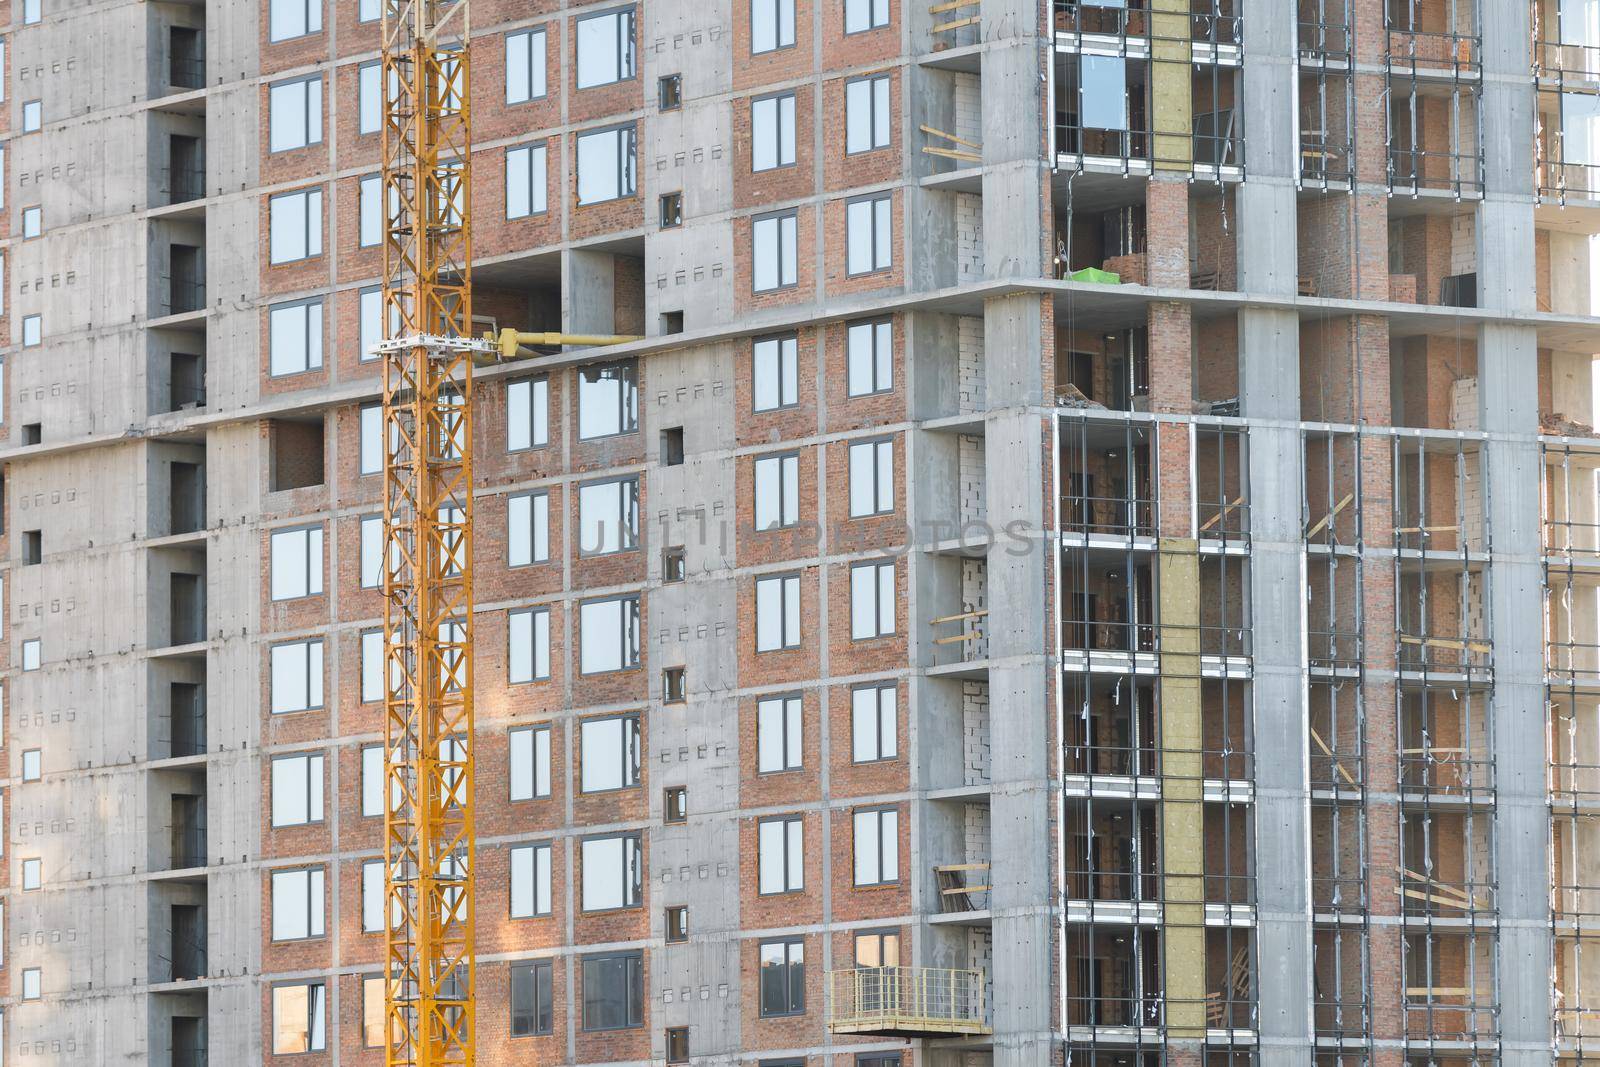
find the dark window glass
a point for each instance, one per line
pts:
(531, 998)
(613, 992)
(783, 978)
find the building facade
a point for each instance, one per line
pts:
(1095, 559)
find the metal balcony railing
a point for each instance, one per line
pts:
(907, 1000)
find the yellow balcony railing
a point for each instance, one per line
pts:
(907, 1000)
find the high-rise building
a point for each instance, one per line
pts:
(1095, 560)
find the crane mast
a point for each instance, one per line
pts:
(427, 621)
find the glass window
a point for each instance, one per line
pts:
(872, 723)
(526, 181)
(772, 132)
(866, 113)
(608, 400)
(32, 654)
(371, 666)
(609, 752)
(612, 872)
(613, 991)
(1103, 92)
(877, 948)
(294, 18)
(369, 77)
(530, 881)
(32, 983)
(32, 11)
(32, 222)
(296, 676)
(532, 998)
(372, 781)
(783, 977)
(774, 261)
(527, 414)
(297, 903)
(373, 1019)
(607, 165)
(528, 635)
(869, 235)
(871, 478)
(530, 762)
(369, 11)
(296, 790)
(371, 211)
(527, 529)
(777, 613)
(296, 563)
(771, 25)
(877, 846)
(777, 491)
(605, 48)
(779, 734)
(371, 452)
(870, 348)
(372, 322)
(871, 600)
(372, 895)
(295, 225)
(780, 845)
(610, 634)
(775, 373)
(32, 766)
(294, 111)
(371, 552)
(608, 516)
(32, 876)
(299, 1018)
(32, 116)
(32, 330)
(294, 342)
(862, 15)
(525, 66)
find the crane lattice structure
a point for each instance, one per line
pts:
(427, 620)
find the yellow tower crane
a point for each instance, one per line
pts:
(428, 355)
(427, 513)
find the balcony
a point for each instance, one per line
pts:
(907, 1001)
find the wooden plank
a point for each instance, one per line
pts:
(962, 867)
(951, 5)
(971, 20)
(1218, 516)
(1326, 751)
(1330, 516)
(952, 153)
(936, 132)
(978, 614)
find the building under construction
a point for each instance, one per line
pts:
(1079, 544)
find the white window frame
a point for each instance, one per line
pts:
(527, 529)
(530, 627)
(775, 491)
(863, 15)
(776, 30)
(866, 113)
(528, 428)
(869, 235)
(620, 159)
(872, 478)
(869, 351)
(780, 855)
(294, 337)
(774, 372)
(876, 840)
(780, 593)
(772, 132)
(529, 889)
(782, 230)
(616, 61)
(629, 861)
(296, 100)
(284, 211)
(527, 78)
(289, 19)
(301, 662)
(528, 762)
(608, 516)
(780, 734)
(527, 181)
(285, 584)
(297, 789)
(874, 723)
(289, 883)
(872, 600)
(601, 770)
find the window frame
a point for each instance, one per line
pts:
(311, 238)
(872, 12)
(627, 400)
(315, 585)
(878, 445)
(537, 502)
(315, 804)
(630, 637)
(310, 12)
(631, 755)
(792, 822)
(632, 891)
(538, 428)
(880, 714)
(786, 257)
(364, 72)
(786, 367)
(779, 44)
(633, 975)
(876, 813)
(527, 35)
(381, 779)
(541, 973)
(313, 354)
(882, 605)
(787, 489)
(316, 1015)
(628, 518)
(32, 116)
(872, 81)
(879, 357)
(538, 179)
(793, 989)
(366, 523)
(539, 785)
(315, 674)
(779, 116)
(790, 731)
(627, 174)
(882, 258)
(534, 850)
(540, 657)
(627, 55)
(311, 118)
(366, 927)
(316, 888)
(784, 644)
